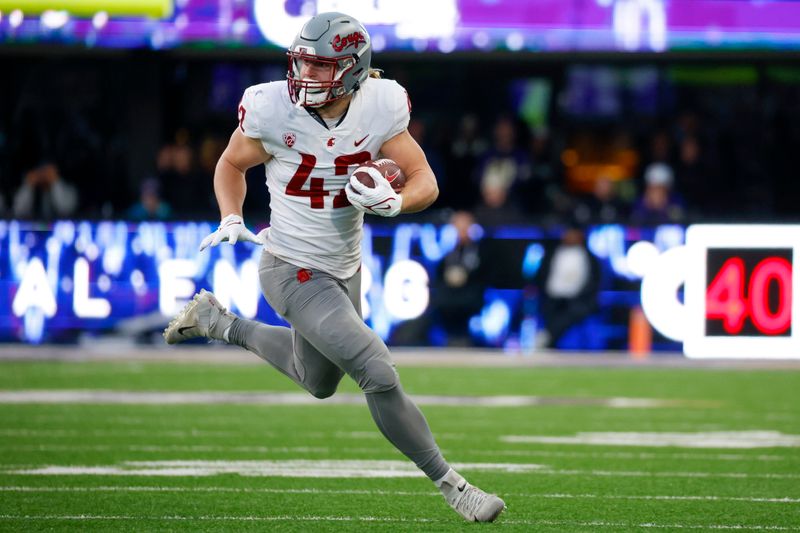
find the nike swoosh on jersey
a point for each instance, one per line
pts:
(358, 143)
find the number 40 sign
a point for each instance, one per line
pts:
(741, 291)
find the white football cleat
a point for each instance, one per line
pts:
(469, 501)
(204, 316)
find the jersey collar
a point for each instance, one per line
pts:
(315, 114)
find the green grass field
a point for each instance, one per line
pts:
(92, 465)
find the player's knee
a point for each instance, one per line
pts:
(325, 385)
(321, 394)
(323, 391)
(378, 375)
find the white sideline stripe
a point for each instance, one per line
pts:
(634, 455)
(284, 468)
(160, 448)
(58, 432)
(324, 449)
(660, 498)
(220, 518)
(344, 469)
(638, 473)
(289, 518)
(298, 398)
(236, 490)
(378, 492)
(63, 432)
(651, 525)
(707, 439)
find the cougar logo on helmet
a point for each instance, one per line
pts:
(356, 38)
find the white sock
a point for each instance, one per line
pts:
(439, 481)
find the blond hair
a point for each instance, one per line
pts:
(375, 73)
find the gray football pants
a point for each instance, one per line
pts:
(328, 338)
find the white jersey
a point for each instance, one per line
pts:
(312, 223)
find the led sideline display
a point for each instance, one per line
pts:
(725, 291)
(414, 25)
(76, 277)
(85, 276)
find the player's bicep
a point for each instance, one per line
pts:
(244, 152)
(420, 189)
(404, 150)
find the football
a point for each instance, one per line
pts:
(388, 168)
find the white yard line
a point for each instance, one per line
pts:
(648, 456)
(298, 398)
(298, 518)
(382, 519)
(235, 490)
(376, 492)
(349, 468)
(254, 432)
(639, 473)
(60, 432)
(706, 498)
(294, 468)
(699, 439)
(156, 448)
(651, 525)
(159, 448)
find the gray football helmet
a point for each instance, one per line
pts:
(329, 39)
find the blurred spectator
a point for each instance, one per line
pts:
(602, 206)
(660, 147)
(459, 189)
(44, 195)
(729, 144)
(457, 292)
(211, 148)
(150, 205)
(549, 196)
(694, 182)
(505, 169)
(186, 189)
(658, 203)
(568, 282)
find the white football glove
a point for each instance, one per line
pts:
(231, 229)
(380, 200)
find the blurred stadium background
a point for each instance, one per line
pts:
(630, 119)
(659, 135)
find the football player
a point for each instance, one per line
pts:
(336, 114)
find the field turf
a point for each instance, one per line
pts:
(94, 465)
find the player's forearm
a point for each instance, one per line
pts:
(420, 191)
(230, 188)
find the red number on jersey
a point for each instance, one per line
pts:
(343, 164)
(725, 296)
(316, 191)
